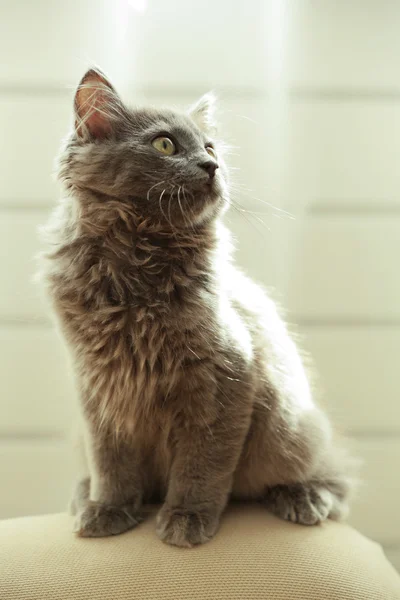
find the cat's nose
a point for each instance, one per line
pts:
(210, 166)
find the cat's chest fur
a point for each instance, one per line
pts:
(133, 330)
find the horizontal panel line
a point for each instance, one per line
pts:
(300, 321)
(35, 89)
(130, 92)
(197, 90)
(311, 93)
(25, 322)
(355, 322)
(33, 436)
(25, 206)
(339, 94)
(345, 94)
(364, 208)
(371, 434)
(59, 435)
(313, 210)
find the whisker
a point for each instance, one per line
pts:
(247, 218)
(160, 203)
(188, 206)
(169, 207)
(180, 205)
(244, 192)
(153, 186)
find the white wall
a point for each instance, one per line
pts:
(310, 98)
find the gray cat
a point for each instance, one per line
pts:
(191, 390)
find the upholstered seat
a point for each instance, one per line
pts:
(254, 556)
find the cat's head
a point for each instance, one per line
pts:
(165, 162)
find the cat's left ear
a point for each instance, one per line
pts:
(203, 113)
(97, 104)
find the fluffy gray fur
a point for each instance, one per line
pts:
(192, 391)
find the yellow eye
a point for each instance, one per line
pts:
(164, 145)
(210, 150)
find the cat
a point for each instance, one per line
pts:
(191, 390)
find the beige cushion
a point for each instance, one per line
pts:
(254, 556)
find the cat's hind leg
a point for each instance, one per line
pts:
(295, 468)
(323, 496)
(306, 503)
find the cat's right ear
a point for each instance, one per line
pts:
(96, 106)
(203, 113)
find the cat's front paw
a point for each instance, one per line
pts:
(185, 527)
(100, 520)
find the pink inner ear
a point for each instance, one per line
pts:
(92, 104)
